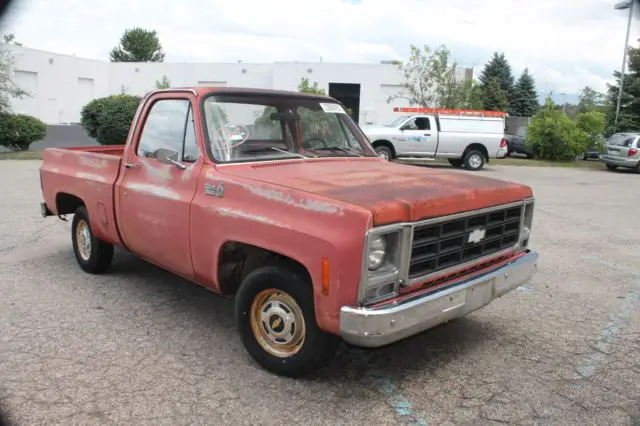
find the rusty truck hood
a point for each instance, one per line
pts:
(392, 192)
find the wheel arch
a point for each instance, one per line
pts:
(478, 147)
(385, 143)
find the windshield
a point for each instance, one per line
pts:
(396, 122)
(249, 127)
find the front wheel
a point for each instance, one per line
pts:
(384, 152)
(93, 255)
(473, 160)
(611, 167)
(276, 321)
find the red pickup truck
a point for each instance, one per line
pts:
(278, 199)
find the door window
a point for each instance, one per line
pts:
(418, 123)
(169, 125)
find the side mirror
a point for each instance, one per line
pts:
(169, 156)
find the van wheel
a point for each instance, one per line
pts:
(277, 325)
(384, 152)
(93, 255)
(473, 160)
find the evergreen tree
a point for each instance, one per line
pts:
(629, 118)
(494, 98)
(497, 68)
(524, 102)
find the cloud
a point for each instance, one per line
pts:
(566, 44)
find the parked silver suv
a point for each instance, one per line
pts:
(622, 150)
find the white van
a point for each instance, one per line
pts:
(466, 138)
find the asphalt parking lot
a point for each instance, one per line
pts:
(141, 346)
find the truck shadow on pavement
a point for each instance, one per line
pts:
(184, 302)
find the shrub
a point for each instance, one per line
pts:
(552, 135)
(19, 131)
(108, 119)
(593, 124)
(90, 116)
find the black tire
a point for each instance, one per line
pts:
(100, 254)
(456, 162)
(611, 167)
(473, 160)
(384, 150)
(317, 347)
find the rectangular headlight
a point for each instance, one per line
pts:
(383, 263)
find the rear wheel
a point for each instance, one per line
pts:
(384, 152)
(473, 160)
(93, 255)
(456, 162)
(277, 324)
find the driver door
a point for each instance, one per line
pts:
(154, 198)
(419, 138)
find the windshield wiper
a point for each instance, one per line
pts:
(295, 154)
(337, 148)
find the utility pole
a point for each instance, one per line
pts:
(628, 4)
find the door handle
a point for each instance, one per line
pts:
(132, 165)
(427, 134)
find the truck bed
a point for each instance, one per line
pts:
(86, 173)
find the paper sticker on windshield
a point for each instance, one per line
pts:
(334, 108)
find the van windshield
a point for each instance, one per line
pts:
(250, 127)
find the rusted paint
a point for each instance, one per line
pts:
(391, 192)
(91, 176)
(245, 215)
(303, 203)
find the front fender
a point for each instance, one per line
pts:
(302, 226)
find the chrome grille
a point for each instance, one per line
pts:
(442, 245)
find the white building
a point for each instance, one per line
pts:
(61, 85)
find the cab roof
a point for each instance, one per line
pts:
(248, 91)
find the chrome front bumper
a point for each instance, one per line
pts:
(373, 327)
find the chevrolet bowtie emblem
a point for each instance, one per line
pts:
(476, 236)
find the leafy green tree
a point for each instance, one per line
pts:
(525, 96)
(164, 83)
(10, 39)
(306, 87)
(8, 87)
(138, 45)
(590, 100)
(552, 135)
(629, 118)
(494, 98)
(497, 68)
(431, 79)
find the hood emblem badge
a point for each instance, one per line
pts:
(476, 236)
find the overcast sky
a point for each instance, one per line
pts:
(567, 44)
